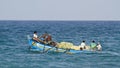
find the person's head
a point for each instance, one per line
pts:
(35, 32)
(83, 41)
(93, 41)
(81, 48)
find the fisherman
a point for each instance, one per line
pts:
(83, 45)
(36, 38)
(46, 38)
(99, 47)
(93, 45)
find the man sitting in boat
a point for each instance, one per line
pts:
(99, 47)
(93, 45)
(36, 38)
(46, 38)
(83, 44)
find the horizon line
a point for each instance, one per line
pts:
(59, 20)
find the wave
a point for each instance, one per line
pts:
(111, 53)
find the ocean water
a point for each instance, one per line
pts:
(14, 52)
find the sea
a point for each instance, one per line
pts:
(15, 53)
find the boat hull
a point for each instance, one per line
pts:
(35, 46)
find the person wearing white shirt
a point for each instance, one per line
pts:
(82, 45)
(36, 38)
(99, 47)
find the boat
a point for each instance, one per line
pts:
(36, 46)
(45, 48)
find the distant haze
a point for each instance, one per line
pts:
(59, 9)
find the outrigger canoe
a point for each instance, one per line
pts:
(36, 46)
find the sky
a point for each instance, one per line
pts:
(59, 9)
